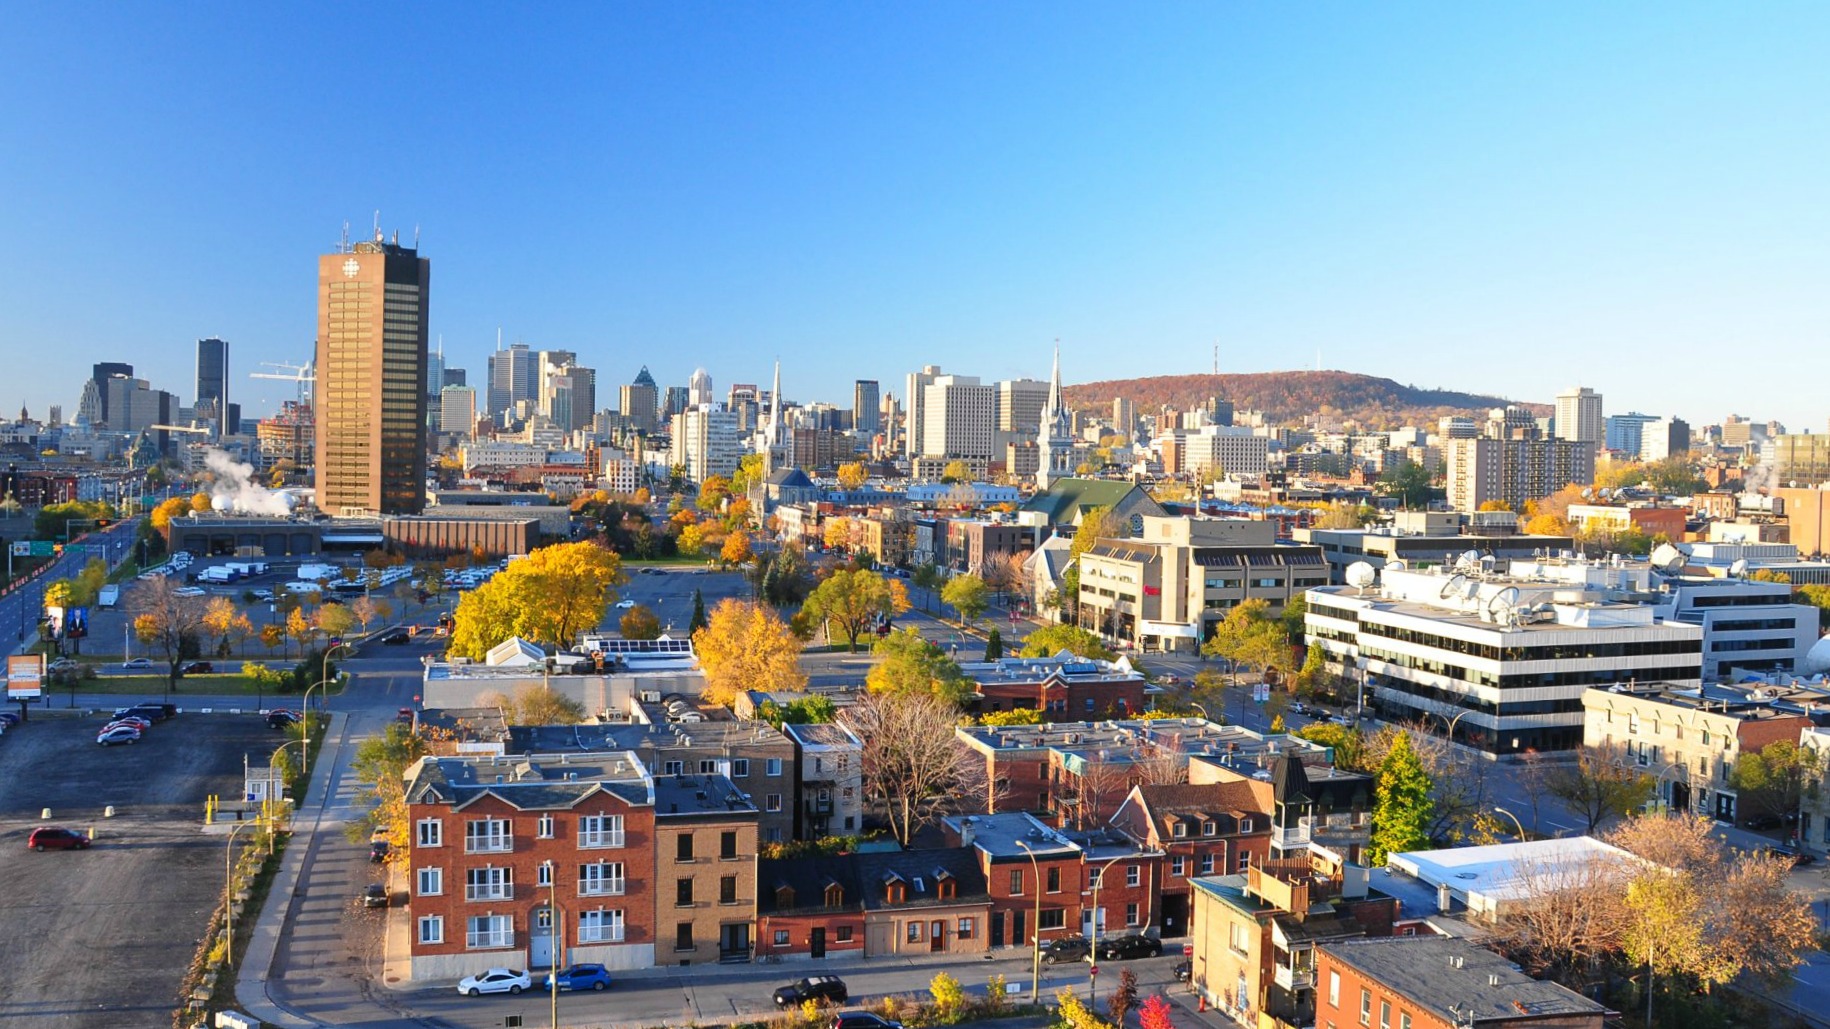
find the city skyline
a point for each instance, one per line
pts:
(1486, 201)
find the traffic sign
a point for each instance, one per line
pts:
(34, 548)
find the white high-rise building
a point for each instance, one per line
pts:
(457, 410)
(699, 389)
(958, 417)
(914, 430)
(707, 441)
(1579, 415)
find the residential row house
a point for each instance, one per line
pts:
(872, 904)
(1209, 829)
(831, 759)
(1062, 688)
(1438, 982)
(1046, 884)
(704, 870)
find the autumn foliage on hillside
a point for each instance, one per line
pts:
(1290, 397)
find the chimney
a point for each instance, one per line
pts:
(1443, 900)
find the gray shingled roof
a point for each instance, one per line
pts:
(1444, 973)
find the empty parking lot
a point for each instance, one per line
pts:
(102, 937)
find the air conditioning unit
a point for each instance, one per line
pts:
(650, 696)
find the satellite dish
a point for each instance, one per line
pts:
(1587, 493)
(1667, 558)
(1606, 493)
(1452, 586)
(1470, 588)
(1738, 570)
(1468, 559)
(1396, 562)
(1361, 575)
(1500, 605)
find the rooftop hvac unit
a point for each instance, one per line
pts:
(650, 696)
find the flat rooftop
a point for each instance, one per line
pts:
(1462, 979)
(1012, 834)
(1483, 877)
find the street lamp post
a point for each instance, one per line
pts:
(1035, 981)
(228, 892)
(323, 678)
(1515, 821)
(1451, 733)
(1093, 949)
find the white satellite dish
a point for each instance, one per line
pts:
(1396, 562)
(1361, 575)
(1738, 570)
(1500, 605)
(1468, 559)
(1667, 558)
(1452, 586)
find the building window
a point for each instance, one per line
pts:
(431, 929)
(683, 936)
(727, 890)
(1052, 918)
(773, 802)
(1016, 882)
(1207, 863)
(845, 934)
(431, 833)
(1180, 831)
(773, 834)
(1404, 1020)
(1245, 860)
(603, 879)
(484, 931)
(1365, 1007)
(967, 926)
(708, 766)
(740, 768)
(1133, 875)
(1207, 828)
(683, 893)
(773, 766)
(683, 847)
(489, 884)
(673, 768)
(1334, 989)
(1131, 914)
(727, 845)
(1176, 865)
(544, 827)
(487, 836)
(915, 932)
(1385, 1014)
(600, 926)
(543, 876)
(431, 882)
(600, 831)
(818, 766)
(781, 937)
(1238, 939)
(1054, 880)
(1245, 825)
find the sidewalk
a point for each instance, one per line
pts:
(263, 945)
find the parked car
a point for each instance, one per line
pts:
(624, 605)
(1797, 857)
(862, 1020)
(395, 638)
(1184, 971)
(118, 734)
(404, 716)
(819, 988)
(496, 980)
(580, 977)
(378, 850)
(62, 664)
(197, 667)
(1761, 821)
(8, 719)
(49, 838)
(128, 720)
(1125, 948)
(375, 895)
(138, 662)
(1067, 948)
(280, 718)
(156, 712)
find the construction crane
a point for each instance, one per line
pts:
(303, 375)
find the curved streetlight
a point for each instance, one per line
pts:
(1515, 821)
(228, 892)
(305, 721)
(1035, 980)
(1093, 947)
(1465, 712)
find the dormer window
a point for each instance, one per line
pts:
(1179, 831)
(898, 892)
(948, 888)
(784, 898)
(1207, 828)
(1245, 825)
(835, 895)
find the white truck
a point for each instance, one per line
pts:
(109, 596)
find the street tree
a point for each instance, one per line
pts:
(856, 600)
(226, 624)
(535, 704)
(852, 475)
(368, 610)
(994, 645)
(913, 762)
(908, 663)
(640, 623)
(335, 619)
(1403, 810)
(548, 596)
(747, 646)
(1050, 640)
(698, 620)
(1249, 638)
(968, 595)
(956, 471)
(1600, 784)
(167, 621)
(1773, 779)
(736, 550)
(380, 767)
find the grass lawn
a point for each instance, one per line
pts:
(206, 684)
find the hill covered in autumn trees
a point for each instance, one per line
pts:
(1289, 398)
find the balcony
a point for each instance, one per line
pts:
(474, 893)
(1293, 979)
(600, 888)
(488, 844)
(1331, 831)
(596, 840)
(819, 807)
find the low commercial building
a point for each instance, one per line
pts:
(1439, 982)
(1490, 881)
(633, 672)
(1061, 688)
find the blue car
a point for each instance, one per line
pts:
(581, 977)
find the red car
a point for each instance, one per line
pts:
(57, 839)
(134, 720)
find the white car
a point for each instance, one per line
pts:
(189, 591)
(496, 980)
(118, 734)
(624, 605)
(138, 662)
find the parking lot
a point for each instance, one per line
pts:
(102, 937)
(668, 592)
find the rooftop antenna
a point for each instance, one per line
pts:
(344, 247)
(378, 225)
(1216, 357)
(416, 237)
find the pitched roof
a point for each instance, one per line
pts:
(865, 877)
(1065, 499)
(1221, 802)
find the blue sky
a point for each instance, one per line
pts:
(1507, 199)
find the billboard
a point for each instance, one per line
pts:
(25, 677)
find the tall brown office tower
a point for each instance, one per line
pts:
(371, 393)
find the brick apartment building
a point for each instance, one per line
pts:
(1438, 982)
(1210, 829)
(704, 870)
(1066, 882)
(873, 904)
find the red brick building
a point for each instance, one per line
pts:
(872, 905)
(1064, 688)
(1061, 881)
(1210, 829)
(528, 866)
(1438, 982)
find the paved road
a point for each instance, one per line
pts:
(21, 607)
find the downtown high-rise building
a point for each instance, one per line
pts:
(1579, 416)
(370, 397)
(94, 406)
(213, 382)
(640, 402)
(457, 411)
(866, 407)
(513, 377)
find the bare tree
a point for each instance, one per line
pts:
(914, 762)
(1161, 762)
(167, 621)
(1097, 784)
(1600, 784)
(1569, 918)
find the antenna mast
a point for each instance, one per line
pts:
(1216, 357)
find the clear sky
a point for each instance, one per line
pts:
(1499, 198)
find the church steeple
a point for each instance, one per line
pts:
(1055, 443)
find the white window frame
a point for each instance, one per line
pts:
(489, 836)
(604, 925)
(431, 929)
(432, 876)
(600, 831)
(773, 766)
(491, 882)
(773, 802)
(602, 879)
(489, 932)
(544, 827)
(740, 768)
(543, 874)
(1133, 874)
(429, 832)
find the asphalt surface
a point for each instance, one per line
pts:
(102, 937)
(21, 607)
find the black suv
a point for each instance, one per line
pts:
(862, 1020)
(822, 988)
(1068, 948)
(153, 712)
(1124, 948)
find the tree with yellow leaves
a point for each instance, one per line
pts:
(855, 601)
(853, 475)
(836, 533)
(747, 646)
(736, 550)
(226, 624)
(334, 620)
(168, 509)
(200, 502)
(549, 597)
